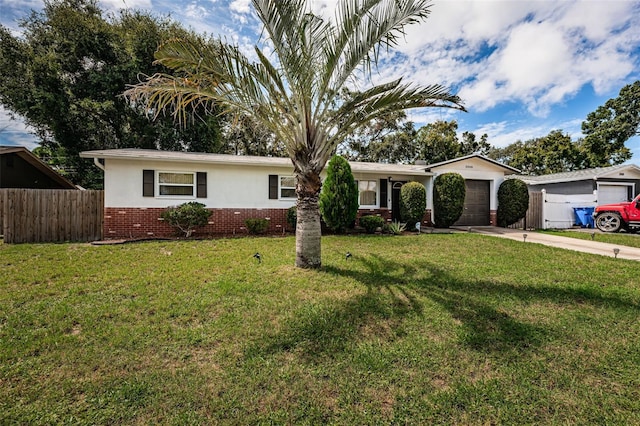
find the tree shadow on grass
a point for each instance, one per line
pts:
(395, 290)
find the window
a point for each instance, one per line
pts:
(368, 190)
(176, 184)
(287, 187)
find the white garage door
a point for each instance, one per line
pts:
(609, 194)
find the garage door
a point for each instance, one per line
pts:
(609, 194)
(476, 204)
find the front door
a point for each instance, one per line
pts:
(395, 200)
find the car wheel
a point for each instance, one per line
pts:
(609, 222)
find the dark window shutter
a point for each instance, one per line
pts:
(383, 193)
(273, 187)
(201, 179)
(148, 186)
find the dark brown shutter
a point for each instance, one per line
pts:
(148, 185)
(383, 193)
(273, 187)
(201, 190)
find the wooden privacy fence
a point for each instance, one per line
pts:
(533, 218)
(51, 215)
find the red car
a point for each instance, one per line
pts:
(614, 217)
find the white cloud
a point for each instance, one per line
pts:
(126, 4)
(15, 132)
(240, 6)
(539, 53)
(503, 133)
(195, 11)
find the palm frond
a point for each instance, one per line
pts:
(383, 99)
(363, 28)
(294, 95)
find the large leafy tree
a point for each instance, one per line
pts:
(608, 128)
(438, 141)
(391, 138)
(65, 76)
(294, 93)
(554, 153)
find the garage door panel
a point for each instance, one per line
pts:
(610, 194)
(476, 204)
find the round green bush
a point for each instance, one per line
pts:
(186, 217)
(371, 223)
(256, 225)
(449, 192)
(339, 197)
(413, 203)
(513, 201)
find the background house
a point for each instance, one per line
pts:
(561, 193)
(613, 184)
(19, 168)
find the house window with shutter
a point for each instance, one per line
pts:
(282, 187)
(368, 190)
(287, 187)
(176, 184)
(165, 184)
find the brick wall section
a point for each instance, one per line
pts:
(493, 218)
(146, 222)
(132, 222)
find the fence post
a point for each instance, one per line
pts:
(544, 209)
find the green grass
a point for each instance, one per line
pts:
(429, 329)
(629, 240)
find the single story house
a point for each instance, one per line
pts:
(140, 184)
(19, 168)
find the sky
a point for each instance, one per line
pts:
(523, 68)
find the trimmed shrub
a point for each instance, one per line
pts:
(413, 203)
(513, 201)
(449, 192)
(371, 223)
(186, 217)
(292, 217)
(339, 197)
(256, 225)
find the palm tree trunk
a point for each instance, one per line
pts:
(308, 233)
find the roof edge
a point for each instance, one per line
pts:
(469, 156)
(36, 162)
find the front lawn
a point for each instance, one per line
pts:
(449, 329)
(629, 240)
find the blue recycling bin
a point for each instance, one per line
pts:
(584, 216)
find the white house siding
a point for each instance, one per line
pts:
(228, 186)
(233, 186)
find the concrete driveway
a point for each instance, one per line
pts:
(586, 246)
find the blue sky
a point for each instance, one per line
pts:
(522, 67)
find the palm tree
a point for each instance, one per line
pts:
(296, 95)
